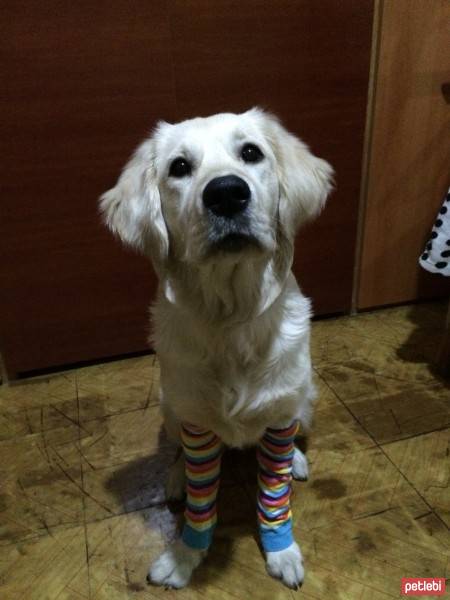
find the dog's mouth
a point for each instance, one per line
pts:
(231, 235)
(235, 242)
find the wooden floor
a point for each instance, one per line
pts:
(83, 463)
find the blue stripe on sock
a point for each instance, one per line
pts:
(274, 539)
(200, 540)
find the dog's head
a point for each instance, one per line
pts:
(210, 188)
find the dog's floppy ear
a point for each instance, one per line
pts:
(132, 209)
(305, 180)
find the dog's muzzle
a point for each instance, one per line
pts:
(226, 196)
(225, 199)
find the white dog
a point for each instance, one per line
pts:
(215, 203)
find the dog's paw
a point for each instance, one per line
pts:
(176, 480)
(286, 565)
(174, 567)
(300, 468)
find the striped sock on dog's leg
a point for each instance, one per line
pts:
(203, 453)
(275, 453)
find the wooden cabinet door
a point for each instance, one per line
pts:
(308, 62)
(85, 82)
(409, 165)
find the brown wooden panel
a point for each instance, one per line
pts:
(409, 153)
(309, 63)
(84, 82)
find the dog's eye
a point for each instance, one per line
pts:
(180, 167)
(251, 153)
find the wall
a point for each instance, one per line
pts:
(84, 83)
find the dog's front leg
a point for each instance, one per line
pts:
(203, 453)
(275, 457)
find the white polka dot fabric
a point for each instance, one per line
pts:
(436, 256)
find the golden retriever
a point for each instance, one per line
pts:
(215, 203)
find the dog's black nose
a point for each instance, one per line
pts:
(226, 196)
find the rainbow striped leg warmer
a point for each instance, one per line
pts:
(275, 453)
(203, 453)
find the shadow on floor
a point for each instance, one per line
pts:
(425, 340)
(139, 485)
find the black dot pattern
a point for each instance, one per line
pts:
(436, 255)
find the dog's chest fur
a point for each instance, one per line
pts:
(237, 380)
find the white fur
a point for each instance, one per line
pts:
(300, 469)
(174, 567)
(231, 329)
(286, 565)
